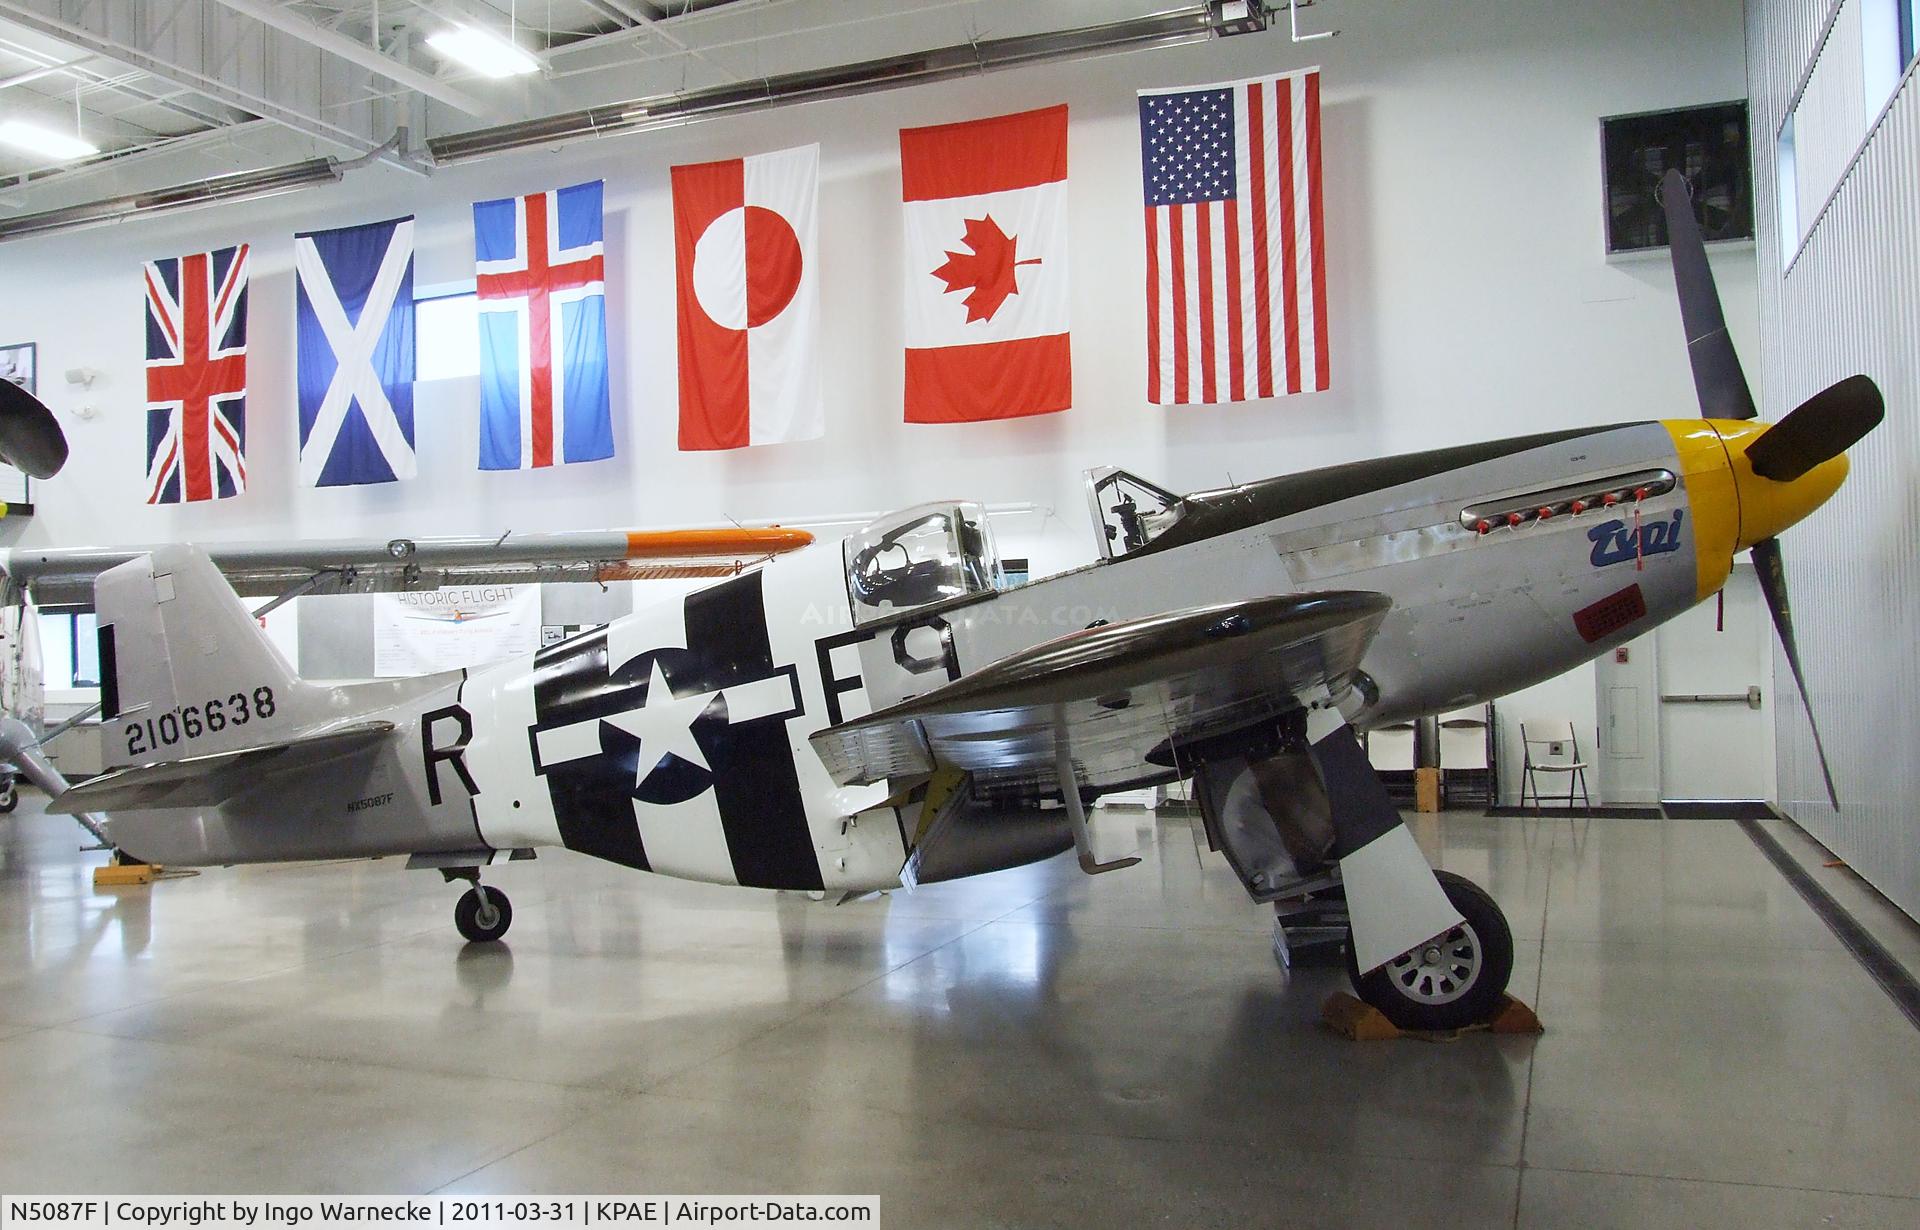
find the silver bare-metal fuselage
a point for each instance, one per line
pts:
(676, 739)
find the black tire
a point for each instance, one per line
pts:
(9, 798)
(1455, 981)
(478, 930)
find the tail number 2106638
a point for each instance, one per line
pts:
(190, 722)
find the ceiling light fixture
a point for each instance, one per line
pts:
(45, 142)
(483, 51)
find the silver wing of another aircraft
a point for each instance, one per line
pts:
(56, 576)
(1122, 698)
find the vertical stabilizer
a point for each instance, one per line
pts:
(186, 670)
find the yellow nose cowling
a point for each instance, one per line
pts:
(1733, 508)
(1768, 506)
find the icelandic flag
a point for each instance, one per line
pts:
(355, 353)
(197, 376)
(540, 275)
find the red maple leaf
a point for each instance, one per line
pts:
(986, 271)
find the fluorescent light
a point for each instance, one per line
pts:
(45, 141)
(483, 51)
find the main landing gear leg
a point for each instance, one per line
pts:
(1456, 970)
(482, 914)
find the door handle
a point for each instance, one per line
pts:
(1750, 698)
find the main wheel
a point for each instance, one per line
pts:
(483, 922)
(9, 797)
(1450, 982)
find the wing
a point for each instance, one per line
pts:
(207, 781)
(366, 566)
(1124, 696)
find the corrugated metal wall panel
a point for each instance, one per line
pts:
(1850, 303)
(1831, 119)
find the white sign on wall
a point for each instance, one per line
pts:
(448, 629)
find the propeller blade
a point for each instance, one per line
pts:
(1717, 378)
(1773, 584)
(1821, 427)
(30, 437)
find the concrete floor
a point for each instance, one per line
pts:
(1028, 1049)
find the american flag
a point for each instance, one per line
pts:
(1236, 261)
(197, 376)
(540, 269)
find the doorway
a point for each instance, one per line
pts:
(1716, 697)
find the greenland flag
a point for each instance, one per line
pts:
(986, 266)
(747, 278)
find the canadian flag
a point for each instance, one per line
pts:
(986, 267)
(745, 237)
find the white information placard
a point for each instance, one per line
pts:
(448, 629)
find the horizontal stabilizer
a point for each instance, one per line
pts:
(208, 781)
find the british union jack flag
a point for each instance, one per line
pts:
(197, 376)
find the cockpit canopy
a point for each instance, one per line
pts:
(922, 555)
(1130, 511)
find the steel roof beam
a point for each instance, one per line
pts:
(336, 44)
(49, 18)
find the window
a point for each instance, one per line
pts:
(446, 334)
(1128, 511)
(926, 554)
(70, 649)
(1909, 25)
(1786, 191)
(1886, 44)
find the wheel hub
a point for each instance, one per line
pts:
(1441, 971)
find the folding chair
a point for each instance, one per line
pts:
(1573, 766)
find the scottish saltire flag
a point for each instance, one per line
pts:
(1236, 256)
(354, 343)
(541, 280)
(197, 376)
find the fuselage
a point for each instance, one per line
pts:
(675, 740)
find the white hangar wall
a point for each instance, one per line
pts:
(1468, 297)
(1850, 302)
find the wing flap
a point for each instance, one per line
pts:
(208, 781)
(1120, 694)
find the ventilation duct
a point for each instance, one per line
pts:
(245, 186)
(1193, 23)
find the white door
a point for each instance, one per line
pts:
(1717, 697)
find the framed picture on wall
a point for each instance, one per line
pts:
(18, 364)
(1707, 144)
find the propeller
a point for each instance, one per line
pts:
(1716, 368)
(1818, 430)
(1772, 571)
(30, 437)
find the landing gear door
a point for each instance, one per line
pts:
(1129, 511)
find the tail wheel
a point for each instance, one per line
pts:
(1449, 982)
(483, 919)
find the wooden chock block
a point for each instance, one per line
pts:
(1426, 790)
(117, 874)
(1357, 1021)
(1514, 1017)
